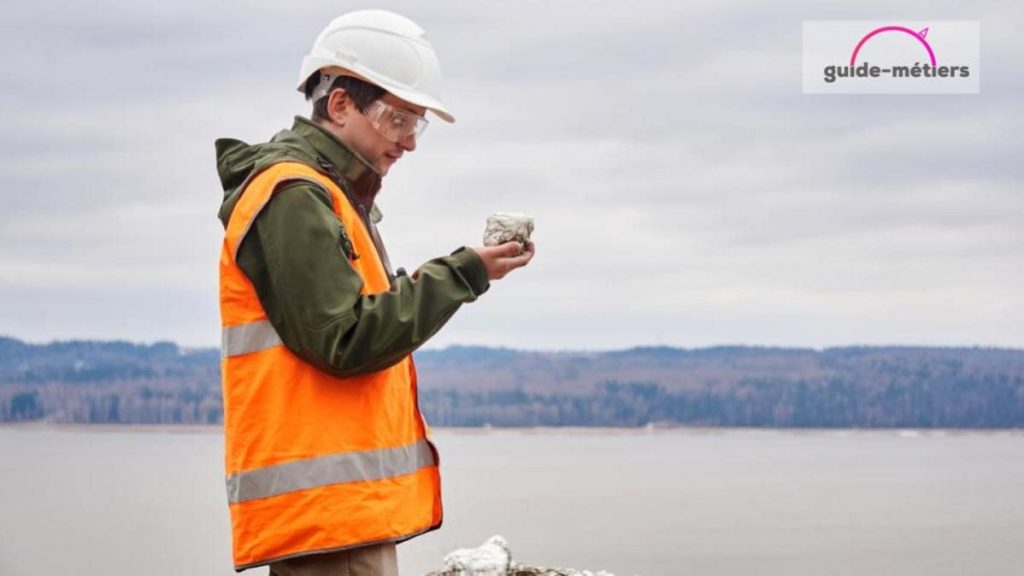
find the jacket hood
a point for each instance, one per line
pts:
(237, 161)
(306, 143)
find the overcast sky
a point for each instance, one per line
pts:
(686, 192)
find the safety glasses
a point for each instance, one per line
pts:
(394, 123)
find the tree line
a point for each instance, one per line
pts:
(119, 382)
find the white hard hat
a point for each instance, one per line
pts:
(384, 49)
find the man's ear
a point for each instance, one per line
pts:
(338, 106)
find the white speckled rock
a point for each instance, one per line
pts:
(504, 227)
(490, 559)
(494, 559)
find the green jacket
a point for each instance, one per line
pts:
(297, 256)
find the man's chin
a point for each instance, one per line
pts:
(384, 165)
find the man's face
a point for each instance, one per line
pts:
(357, 131)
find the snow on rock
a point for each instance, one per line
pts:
(493, 558)
(490, 559)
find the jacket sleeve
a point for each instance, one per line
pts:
(311, 293)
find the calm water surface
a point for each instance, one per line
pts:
(88, 502)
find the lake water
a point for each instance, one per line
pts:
(79, 501)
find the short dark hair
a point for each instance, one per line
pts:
(361, 92)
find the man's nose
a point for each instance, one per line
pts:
(408, 143)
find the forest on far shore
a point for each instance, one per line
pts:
(919, 387)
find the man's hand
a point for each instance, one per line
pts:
(504, 258)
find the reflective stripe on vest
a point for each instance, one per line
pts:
(246, 338)
(325, 470)
(314, 462)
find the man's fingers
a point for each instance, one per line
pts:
(510, 248)
(520, 260)
(504, 258)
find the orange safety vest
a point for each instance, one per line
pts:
(315, 463)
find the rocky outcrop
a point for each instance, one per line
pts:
(493, 558)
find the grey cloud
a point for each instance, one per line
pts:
(686, 191)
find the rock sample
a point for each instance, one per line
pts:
(493, 558)
(503, 227)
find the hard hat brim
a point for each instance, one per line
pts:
(312, 64)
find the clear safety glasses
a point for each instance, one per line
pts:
(394, 123)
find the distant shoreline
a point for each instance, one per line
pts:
(567, 430)
(730, 386)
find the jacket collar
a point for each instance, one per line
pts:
(359, 176)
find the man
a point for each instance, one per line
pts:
(328, 459)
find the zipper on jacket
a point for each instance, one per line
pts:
(342, 183)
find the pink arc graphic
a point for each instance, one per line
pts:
(919, 36)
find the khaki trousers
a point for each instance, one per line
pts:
(373, 560)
